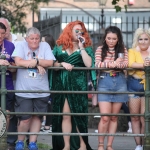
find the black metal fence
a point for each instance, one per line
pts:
(95, 25)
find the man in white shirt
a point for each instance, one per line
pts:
(35, 56)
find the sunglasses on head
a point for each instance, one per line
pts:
(79, 30)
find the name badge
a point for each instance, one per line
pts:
(32, 73)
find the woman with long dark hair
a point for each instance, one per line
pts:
(112, 54)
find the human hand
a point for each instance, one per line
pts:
(67, 66)
(41, 70)
(32, 63)
(112, 65)
(12, 63)
(147, 62)
(4, 62)
(119, 60)
(81, 40)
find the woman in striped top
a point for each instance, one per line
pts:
(113, 56)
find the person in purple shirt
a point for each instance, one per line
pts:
(7, 48)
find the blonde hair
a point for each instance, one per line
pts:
(137, 34)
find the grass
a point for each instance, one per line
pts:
(41, 146)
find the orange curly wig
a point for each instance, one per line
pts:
(65, 39)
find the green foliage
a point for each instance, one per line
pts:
(117, 7)
(14, 11)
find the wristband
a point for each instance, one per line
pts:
(37, 61)
(60, 65)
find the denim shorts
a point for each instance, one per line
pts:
(134, 85)
(108, 83)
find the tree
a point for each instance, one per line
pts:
(116, 5)
(14, 11)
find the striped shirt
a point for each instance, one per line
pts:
(109, 59)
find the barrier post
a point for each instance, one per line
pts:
(147, 109)
(3, 91)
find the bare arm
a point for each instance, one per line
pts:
(25, 63)
(45, 63)
(85, 57)
(67, 66)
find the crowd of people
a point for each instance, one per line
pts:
(72, 49)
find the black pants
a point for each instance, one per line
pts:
(11, 139)
(49, 117)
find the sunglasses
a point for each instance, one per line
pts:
(79, 30)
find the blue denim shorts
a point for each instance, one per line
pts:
(134, 85)
(108, 83)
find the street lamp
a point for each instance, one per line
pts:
(102, 3)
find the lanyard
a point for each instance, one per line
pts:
(31, 54)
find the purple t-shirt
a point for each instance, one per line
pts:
(8, 50)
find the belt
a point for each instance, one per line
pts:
(111, 74)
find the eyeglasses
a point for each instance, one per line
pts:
(79, 30)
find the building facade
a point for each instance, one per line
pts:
(97, 16)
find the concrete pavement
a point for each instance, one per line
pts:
(120, 142)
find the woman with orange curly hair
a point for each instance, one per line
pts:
(74, 49)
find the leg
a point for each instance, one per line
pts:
(105, 107)
(48, 118)
(23, 126)
(134, 107)
(142, 111)
(66, 125)
(34, 127)
(11, 139)
(7, 120)
(23, 105)
(115, 108)
(82, 144)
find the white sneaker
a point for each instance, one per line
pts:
(139, 147)
(96, 131)
(129, 130)
(130, 127)
(43, 123)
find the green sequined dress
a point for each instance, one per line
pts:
(75, 80)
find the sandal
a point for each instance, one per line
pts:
(101, 145)
(108, 147)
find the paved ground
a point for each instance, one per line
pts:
(120, 143)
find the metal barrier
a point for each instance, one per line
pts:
(3, 91)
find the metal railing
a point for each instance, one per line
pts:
(146, 115)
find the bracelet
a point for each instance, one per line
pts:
(37, 61)
(60, 65)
